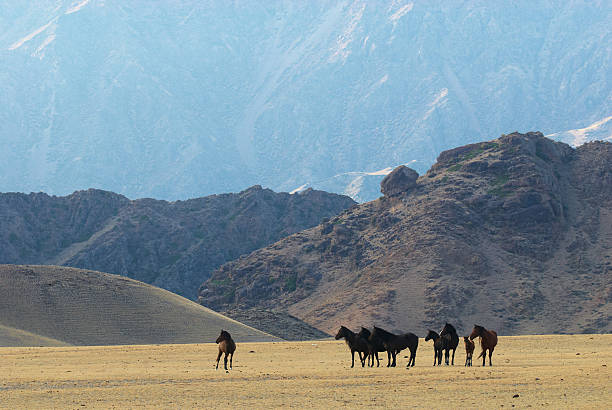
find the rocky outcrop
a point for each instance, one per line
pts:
(173, 245)
(515, 233)
(401, 179)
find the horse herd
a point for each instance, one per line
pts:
(368, 344)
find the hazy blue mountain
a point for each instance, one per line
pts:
(184, 98)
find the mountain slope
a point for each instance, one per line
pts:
(180, 99)
(173, 245)
(515, 233)
(81, 307)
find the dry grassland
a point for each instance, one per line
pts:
(550, 371)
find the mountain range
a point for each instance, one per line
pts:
(173, 245)
(514, 233)
(186, 98)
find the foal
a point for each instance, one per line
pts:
(227, 346)
(469, 350)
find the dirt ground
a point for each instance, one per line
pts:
(528, 371)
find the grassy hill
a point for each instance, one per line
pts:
(54, 306)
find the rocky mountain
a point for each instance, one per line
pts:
(513, 233)
(184, 98)
(173, 245)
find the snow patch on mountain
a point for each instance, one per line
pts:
(76, 6)
(599, 130)
(32, 35)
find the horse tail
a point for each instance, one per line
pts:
(481, 354)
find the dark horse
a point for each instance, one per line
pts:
(395, 344)
(440, 344)
(355, 343)
(374, 346)
(488, 340)
(227, 346)
(469, 350)
(451, 335)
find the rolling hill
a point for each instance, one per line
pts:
(514, 233)
(56, 306)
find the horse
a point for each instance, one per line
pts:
(451, 335)
(488, 340)
(374, 346)
(355, 343)
(227, 346)
(469, 350)
(396, 343)
(440, 344)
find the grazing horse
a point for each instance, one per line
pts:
(395, 344)
(451, 335)
(227, 346)
(355, 343)
(440, 344)
(374, 346)
(488, 340)
(469, 350)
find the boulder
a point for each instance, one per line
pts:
(401, 179)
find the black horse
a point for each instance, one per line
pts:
(396, 343)
(440, 344)
(355, 343)
(452, 337)
(374, 346)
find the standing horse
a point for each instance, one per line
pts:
(451, 335)
(374, 346)
(440, 344)
(395, 344)
(488, 340)
(227, 346)
(355, 343)
(469, 350)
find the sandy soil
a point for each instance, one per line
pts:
(528, 371)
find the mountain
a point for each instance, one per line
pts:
(513, 233)
(52, 305)
(181, 99)
(173, 245)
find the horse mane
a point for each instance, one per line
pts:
(383, 333)
(448, 328)
(364, 332)
(480, 329)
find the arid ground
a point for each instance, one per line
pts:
(529, 371)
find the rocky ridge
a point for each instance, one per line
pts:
(514, 233)
(173, 245)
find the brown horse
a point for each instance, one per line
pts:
(469, 350)
(440, 344)
(488, 340)
(355, 343)
(227, 346)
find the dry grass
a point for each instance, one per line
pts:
(550, 371)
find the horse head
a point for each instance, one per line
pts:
(431, 335)
(342, 332)
(223, 336)
(448, 329)
(476, 332)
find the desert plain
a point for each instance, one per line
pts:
(553, 371)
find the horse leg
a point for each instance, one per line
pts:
(435, 356)
(388, 358)
(484, 356)
(377, 360)
(394, 356)
(218, 358)
(225, 361)
(446, 354)
(490, 354)
(231, 358)
(362, 358)
(353, 358)
(453, 362)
